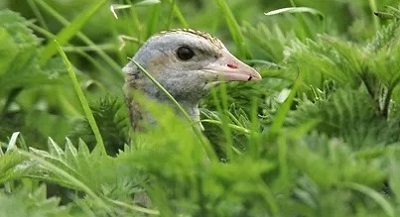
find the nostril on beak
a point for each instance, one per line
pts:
(232, 66)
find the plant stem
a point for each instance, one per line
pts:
(374, 8)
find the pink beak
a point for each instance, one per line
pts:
(229, 68)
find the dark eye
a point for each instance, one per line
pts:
(184, 53)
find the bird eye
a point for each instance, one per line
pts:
(184, 53)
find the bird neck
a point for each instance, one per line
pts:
(190, 108)
(193, 111)
(138, 115)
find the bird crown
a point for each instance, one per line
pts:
(196, 33)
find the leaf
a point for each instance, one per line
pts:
(147, 2)
(11, 167)
(27, 202)
(18, 67)
(291, 10)
(8, 51)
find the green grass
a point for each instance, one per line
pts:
(318, 136)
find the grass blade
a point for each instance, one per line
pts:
(83, 37)
(82, 99)
(282, 112)
(69, 31)
(374, 8)
(178, 14)
(232, 126)
(147, 2)
(12, 144)
(234, 29)
(378, 198)
(133, 207)
(220, 102)
(292, 10)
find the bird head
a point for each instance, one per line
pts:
(187, 63)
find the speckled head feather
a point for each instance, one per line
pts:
(187, 63)
(196, 33)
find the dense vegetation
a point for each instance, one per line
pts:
(318, 136)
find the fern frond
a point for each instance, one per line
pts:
(111, 117)
(26, 201)
(348, 114)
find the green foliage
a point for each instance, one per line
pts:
(318, 136)
(82, 171)
(31, 202)
(111, 113)
(19, 56)
(8, 163)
